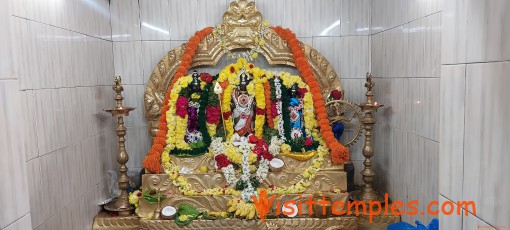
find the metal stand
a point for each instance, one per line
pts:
(121, 204)
(368, 193)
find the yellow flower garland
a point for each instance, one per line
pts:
(308, 175)
(185, 187)
(226, 108)
(235, 156)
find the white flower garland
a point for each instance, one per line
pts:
(279, 107)
(229, 172)
(248, 192)
(217, 147)
(275, 146)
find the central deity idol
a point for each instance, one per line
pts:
(243, 106)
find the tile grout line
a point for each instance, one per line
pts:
(47, 24)
(474, 63)
(12, 223)
(408, 22)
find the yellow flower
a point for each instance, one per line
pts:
(133, 197)
(265, 23)
(165, 157)
(262, 42)
(254, 55)
(285, 148)
(306, 174)
(183, 217)
(195, 96)
(250, 88)
(174, 96)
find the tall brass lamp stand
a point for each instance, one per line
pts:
(121, 204)
(368, 193)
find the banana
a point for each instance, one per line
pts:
(232, 208)
(238, 212)
(251, 214)
(245, 211)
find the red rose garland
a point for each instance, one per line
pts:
(152, 162)
(339, 153)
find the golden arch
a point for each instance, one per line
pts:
(241, 22)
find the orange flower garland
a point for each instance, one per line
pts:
(339, 153)
(152, 162)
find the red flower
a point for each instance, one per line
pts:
(251, 66)
(268, 156)
(301, 92)
(261, 148)
(260, 111)
(139, 194)
(232, 69)
(152, 192)
(206, 77)
(221, 161)
(336, 94)
(181, 107)
(227, 114)
(212, 115)
(274, 111)
(308, 141)
(253, 139)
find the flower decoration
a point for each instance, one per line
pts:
(339, 153)
(152, 162)
(182, 107)
(221, 161)
(336, 94)
(213, 115)
(205, 77)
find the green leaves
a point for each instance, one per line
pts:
(151, 196)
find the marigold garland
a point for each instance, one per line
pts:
(339, 153)
(152, 162)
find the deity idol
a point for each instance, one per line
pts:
(243, 106)
(296, 113)
(193, 135)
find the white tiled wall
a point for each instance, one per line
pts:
(474, 80)
(143, 31)
(55, 75)
(440, 67)
(405, 60)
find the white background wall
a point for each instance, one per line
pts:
(57, 61)
(406, 53)
(58, 57)
(56, 143)
(475, 79)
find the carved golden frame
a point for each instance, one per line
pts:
(241, 23)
